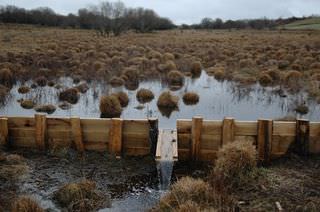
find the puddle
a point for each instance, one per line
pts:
(217, 100)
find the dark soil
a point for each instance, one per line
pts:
(293, 182)
(114, 178)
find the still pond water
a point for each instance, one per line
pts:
(217, 100)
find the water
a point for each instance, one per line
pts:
(217, 100)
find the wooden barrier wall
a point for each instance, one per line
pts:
(200, 139)
(117, 136)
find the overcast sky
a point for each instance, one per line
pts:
(192, 11)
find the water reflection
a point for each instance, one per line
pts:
(217, 100)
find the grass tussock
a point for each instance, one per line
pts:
(81, 196)
(235, 162)
(26, 204)
(41, 81)
(27, 104)
(70, 95)
(196, 68)
(6, 77)
(167, 100)
(190, 98)
(265, 80)
(116, 81)
(12, 168)
(302, 109)
(82, 88)
(24, 89)
(189, 193)
(144, 95)
(47, 108)
(123, 98)
(110, 107)
(175, 78)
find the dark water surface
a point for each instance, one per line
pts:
(217, 100)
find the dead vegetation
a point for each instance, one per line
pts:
(190, 98)
(47, 108)
(81, 196)
(26, 204)
(12, 167)
(27, 103)
(110, 107)
(123, 98)
(144, 95)
(70, 95)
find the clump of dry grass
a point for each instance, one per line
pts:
(41, 81)
(70, 95)
(144, 95)
(24, 89)
(292, 76)
(195, 193)
(6, 77)
(234, 164)
(196, 68)
(167, 100)
(175, 78)
(27, 104)
(110, 107)
(81, 196)
(12, 167)
(265, 80)
(123, 98)
(26, 204)
(82, 88)
(190, 98)
(47, 108)
(116, 81)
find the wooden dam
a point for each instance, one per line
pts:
(193, 139)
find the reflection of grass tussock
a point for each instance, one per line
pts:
(48, 108)
(27, 104)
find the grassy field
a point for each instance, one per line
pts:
(307, 24)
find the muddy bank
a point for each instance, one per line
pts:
(132, 180)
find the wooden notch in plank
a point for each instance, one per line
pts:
(264, 140)
(196, 137)
(227, 131)
(77, 133)
(153, 135)
(115, 137)
(302, 137)
(40, 130)
(4, 132)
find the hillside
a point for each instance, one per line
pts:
(310, 23)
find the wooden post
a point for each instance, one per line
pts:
(40, 130)
(77, 133)
(115, 137)
(264, 140)
(196, 137)
(227, 131)
(153, 135)
(302, 137)
(4, 132)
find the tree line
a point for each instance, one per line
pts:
(106, 18)
(114, 18)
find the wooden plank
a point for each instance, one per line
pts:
(102, 125)
(59, 134)
(136, 151)
(184, 126)
(58, 123)
(196, 137)
(115, 137)
(284, 128)
(4, 132)
(210, 142)
(212, 127)
(246, 128)
(175, 146)
(22, 142)
(77, 133)
(96, 146)
(159, 145)
(265, 131)
(314, 129)
(302, 137)
(95, 136)
(22, 132)
(184, 140)
(227, 131)
(40, 130)
(153, 135)
(16, 122)
(136, 126)
(208, 155)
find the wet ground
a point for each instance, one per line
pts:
(133, 184)
(217, 100)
